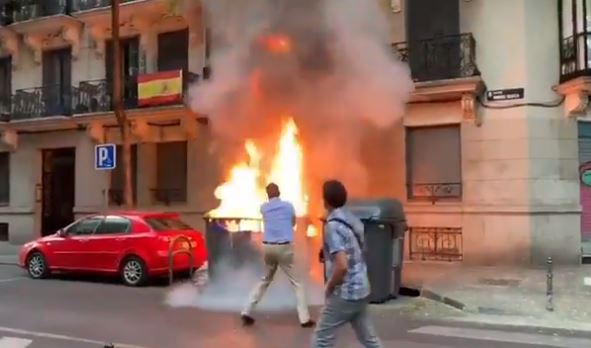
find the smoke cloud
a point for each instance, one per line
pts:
(334, 72)
(229, 289)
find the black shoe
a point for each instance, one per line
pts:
(247, 320)
(308, 324)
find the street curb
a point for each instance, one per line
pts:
(448, 301)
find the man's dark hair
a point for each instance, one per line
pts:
(334, 193)
(272, 190)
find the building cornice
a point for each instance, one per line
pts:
(576, 93)
(465, 90)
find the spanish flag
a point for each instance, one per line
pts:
(160, 88)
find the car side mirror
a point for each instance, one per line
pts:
(62, 233)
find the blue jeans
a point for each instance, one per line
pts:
(338, 312)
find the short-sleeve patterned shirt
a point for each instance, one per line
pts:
(339, 237)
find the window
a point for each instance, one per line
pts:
(433, 41)
(171, 172)
(575, 38)
(167, 223)
(130, 51)
(57, 82)
(118, 179)
(84, 227)
(173, 50)
(113, 225)
(4, 178)
(433, 163)
(5, 85)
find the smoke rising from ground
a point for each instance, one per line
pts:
(229, 290)
(339, 80)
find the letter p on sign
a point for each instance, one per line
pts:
(105, 157)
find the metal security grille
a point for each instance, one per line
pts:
(584, 165)
(436, 244)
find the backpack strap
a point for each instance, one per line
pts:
(348, 225)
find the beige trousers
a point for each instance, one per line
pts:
(279, 256)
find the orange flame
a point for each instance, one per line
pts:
(244, 191)
(277, 43)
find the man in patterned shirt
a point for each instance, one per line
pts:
(347, 288)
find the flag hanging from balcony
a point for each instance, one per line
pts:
(160, 88)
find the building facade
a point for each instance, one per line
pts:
(484, 182)
(55, 100)
(492, 182)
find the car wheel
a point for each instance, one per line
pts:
(134, 271)
(37, 266)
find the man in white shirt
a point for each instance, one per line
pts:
(279, 220)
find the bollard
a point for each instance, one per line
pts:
(549, 285)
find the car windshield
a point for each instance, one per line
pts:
(165, 223)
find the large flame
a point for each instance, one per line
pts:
(244, 191)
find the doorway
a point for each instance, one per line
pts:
(58, 193)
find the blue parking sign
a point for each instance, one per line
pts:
(105, 157)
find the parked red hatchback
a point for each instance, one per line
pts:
(133, 245)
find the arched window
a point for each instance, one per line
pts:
(575, 38)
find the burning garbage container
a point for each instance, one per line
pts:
(229, 241)
(385, 225)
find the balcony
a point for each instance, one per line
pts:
(95, 96)
(144, 18)
(440, 58)
(4, 108)
(89, 5)
(30, 103)
(575, 56)
(6, 15)
(44, 25)
(26, 10)
(89, 97)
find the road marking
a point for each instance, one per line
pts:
(14, 342)
(61, 338)
(11, 279)
(504, 336)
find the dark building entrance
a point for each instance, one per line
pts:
(58, 182)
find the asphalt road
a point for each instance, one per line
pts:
(75, 313)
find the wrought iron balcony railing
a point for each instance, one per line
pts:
(575, 56)
(91, 96)
(6, 14)
(95, 95)
(85, 5)
(5, 107)
(52, 100)
(25, 10)
(439, 58)
(434, 192)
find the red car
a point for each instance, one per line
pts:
(133, 245)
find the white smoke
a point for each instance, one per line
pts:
(234, 279)
(229, 292)
(342, 82)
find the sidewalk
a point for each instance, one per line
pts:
(507, 295)
(8, 254)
